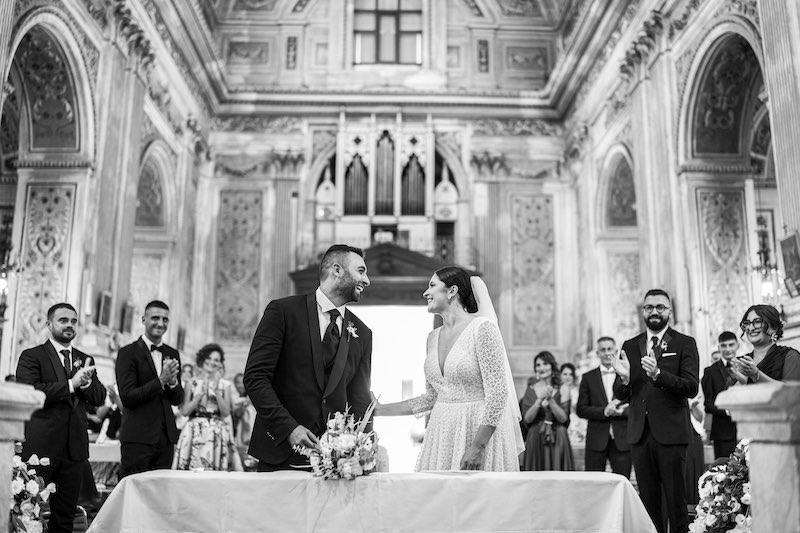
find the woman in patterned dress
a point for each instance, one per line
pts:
(469, 392)
(206, 441)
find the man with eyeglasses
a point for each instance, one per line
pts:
(717, 378)
(659, 371)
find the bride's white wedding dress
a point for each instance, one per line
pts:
(472, 391)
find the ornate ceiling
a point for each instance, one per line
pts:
(253, 55)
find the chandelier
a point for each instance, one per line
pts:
(768, 277)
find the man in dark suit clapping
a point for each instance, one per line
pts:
(717, 378)
(58, 431)
(659, 368)
(607, 427)
(147, 378)
(310, 357)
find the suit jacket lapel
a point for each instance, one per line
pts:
(341, 357)
(602, 384)
(143, 349)
(664, 342)
(55, 359)
(318, 358)
(643, 341)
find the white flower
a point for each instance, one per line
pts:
(32, 525)
(17, 461)
(331, 423)
(351, 329)
(17, 485)
(33, 460)
(740, 520)
(746, 487)
(32, 486)
(49, 489)
(746, 498)
(44, 461)
(710, 519)
(720, 477)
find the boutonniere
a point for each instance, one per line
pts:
(351, 330)
(77, 363)
(663, 345)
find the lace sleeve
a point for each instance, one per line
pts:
(490, 354)
(424, 403)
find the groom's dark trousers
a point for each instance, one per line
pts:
(287, 380)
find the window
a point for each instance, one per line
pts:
(388, 31)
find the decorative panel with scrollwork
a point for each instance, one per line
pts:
(723, 98)
(621, 200)
(237, 286)
(145, 284)
(45, 252)
(50, 92)
(724, 255)
(624, 293)
(533, 269)
(150, 198)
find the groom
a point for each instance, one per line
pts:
(310, 357)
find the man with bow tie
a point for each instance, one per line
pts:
(58, 430)
(659, 370)
(717, 378)
(607, 427)
(148, 381)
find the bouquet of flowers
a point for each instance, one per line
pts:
(345, 450)
(28, 493)
(724, 505)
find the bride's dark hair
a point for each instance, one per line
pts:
(458, 277)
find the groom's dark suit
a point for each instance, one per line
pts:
(285, 375)
(57, 431)
(658, 422)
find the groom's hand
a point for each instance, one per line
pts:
(301, 436)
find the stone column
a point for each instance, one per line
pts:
(769, 414)
(17, 403)
(6, 23)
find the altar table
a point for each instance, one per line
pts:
(295, 502)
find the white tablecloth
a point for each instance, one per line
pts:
(292, 502)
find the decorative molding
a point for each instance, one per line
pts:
(521, 8)
(291, 52)
(53, 163)
(149, 198)
(533, 270)
(285, 164)
(354, 145)
(300, 6)
(275, 164)
(254, 5)
(474, 8)
(621, 199)
(413, 145)
(516, 127)
(45, 251)
(678, 24)
(322, 141)
(201, 148)
(711, 168)
(483, 55)
(161, 96)
(131, 38)
(97, 12)
(453, 140)
(259, 123)
(745, 8)
(626, 286)
(643, 46)
(247, 53)
(237, 287)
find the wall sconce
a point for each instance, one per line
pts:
(3, 294)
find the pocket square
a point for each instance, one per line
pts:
(669, 354)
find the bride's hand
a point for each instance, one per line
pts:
(472, 459)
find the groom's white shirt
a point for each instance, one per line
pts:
(324, 305)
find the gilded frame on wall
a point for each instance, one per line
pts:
(790, 250)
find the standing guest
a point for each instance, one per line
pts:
(58, 431)
(206, 441)
(763, 328)
(187, 374)
(244, 414)
(695, 455)
(545, 415)
(310, 357)
(149, 385)
(659, 369)
(715, 356)
(576, 427)
(607, 429)
(717, 378)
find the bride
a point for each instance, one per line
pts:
(469, 390)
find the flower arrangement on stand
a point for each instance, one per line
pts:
(724, 505)
(345, 450)
(28, 494)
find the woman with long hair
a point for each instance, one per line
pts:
(763, 328)
(545, 417)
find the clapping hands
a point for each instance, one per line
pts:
(614, 408)
(82, 377)
(622, 366)
(169, 371)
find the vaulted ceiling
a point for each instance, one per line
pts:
(241, 52)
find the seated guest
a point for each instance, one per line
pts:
(206, 441)
(545, 416)
(762, 327)
(717, 378)
(607, 427)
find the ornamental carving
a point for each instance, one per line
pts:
(237, 287)
(145, 283)
(291, 52)
(724, 255)
(149, 198)
(50, 92)
(723, 97)
(531, 59)
(624, 294)
(452, 140)
(356, 145)
(488, 165)
(322, 141)
(248, 53)
(621, 201)
(643, 46)
(254, 5)
(533, 270)
(259, 123)
(414, 145)
(286, 164)
(300, 6)
(516, 127)
(474, 8)
(46, 239)
(521, 8)
(483, 55)
(131, 37)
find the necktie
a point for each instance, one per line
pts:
(331, 340)
(67, 365)
(656, 349)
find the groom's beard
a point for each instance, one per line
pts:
(348, 288)
(657, 322)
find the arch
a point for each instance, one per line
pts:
(707, 52)
(617, 157)
(51, 20)
(154, 183)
